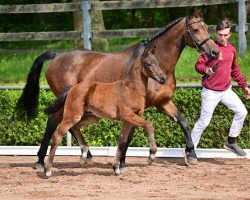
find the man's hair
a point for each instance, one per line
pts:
(226, 23)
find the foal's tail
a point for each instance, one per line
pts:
(58, 103)
(28, 102)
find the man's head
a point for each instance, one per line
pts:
(223, 31)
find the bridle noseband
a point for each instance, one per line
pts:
(197, 44)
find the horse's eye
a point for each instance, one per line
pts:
(196, 30)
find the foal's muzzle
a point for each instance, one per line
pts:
(162, 80)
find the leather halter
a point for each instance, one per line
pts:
(197, 44)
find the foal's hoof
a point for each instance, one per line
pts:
(48, 173)
(38, 166)
(150, 160)
(189, 160)
(116, 170)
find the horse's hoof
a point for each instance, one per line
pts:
(150, 160)
(188, 159)
(123, 165)
(116, 170)
(38, 166)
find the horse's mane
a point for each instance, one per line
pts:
(167, 27)
(139, 47)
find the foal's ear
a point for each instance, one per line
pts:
(145, 52)
(153, 49)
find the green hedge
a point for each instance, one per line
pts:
(167, 132)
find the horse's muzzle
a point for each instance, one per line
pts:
(214, 54)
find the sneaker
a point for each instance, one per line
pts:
(235, 148)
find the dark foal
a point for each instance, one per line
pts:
(123, 100)
(76, 66)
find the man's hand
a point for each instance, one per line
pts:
(247, 92)
(209, 71)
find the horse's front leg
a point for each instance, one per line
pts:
(131, 131)
(171, 110)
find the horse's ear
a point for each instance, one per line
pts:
(200, 13)
(191, 13)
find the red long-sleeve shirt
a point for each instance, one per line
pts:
(228, 68)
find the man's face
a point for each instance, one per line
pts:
(223, 36)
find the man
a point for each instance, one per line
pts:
(217, 88)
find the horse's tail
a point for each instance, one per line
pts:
(28, 102)
(58, 103)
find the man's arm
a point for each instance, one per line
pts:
(238, 77)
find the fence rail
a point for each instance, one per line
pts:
(114, 5)
(86, 6)
(40, 8)
(24, 36)
(106, 5)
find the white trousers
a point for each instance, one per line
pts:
(210, 100)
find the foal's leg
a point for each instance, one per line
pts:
(171, 110)
(84, 148)
(65, 125)
(73, 113)
(88, 118)
(52, 124)
(56, 140)
(137, 121)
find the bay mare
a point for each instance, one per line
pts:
(76, 66)
(122, 100)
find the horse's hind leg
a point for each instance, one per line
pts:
(52, 124)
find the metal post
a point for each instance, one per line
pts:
(69, 138)
(242, 22)
(86, 35)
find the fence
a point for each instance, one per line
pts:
(87, 33)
